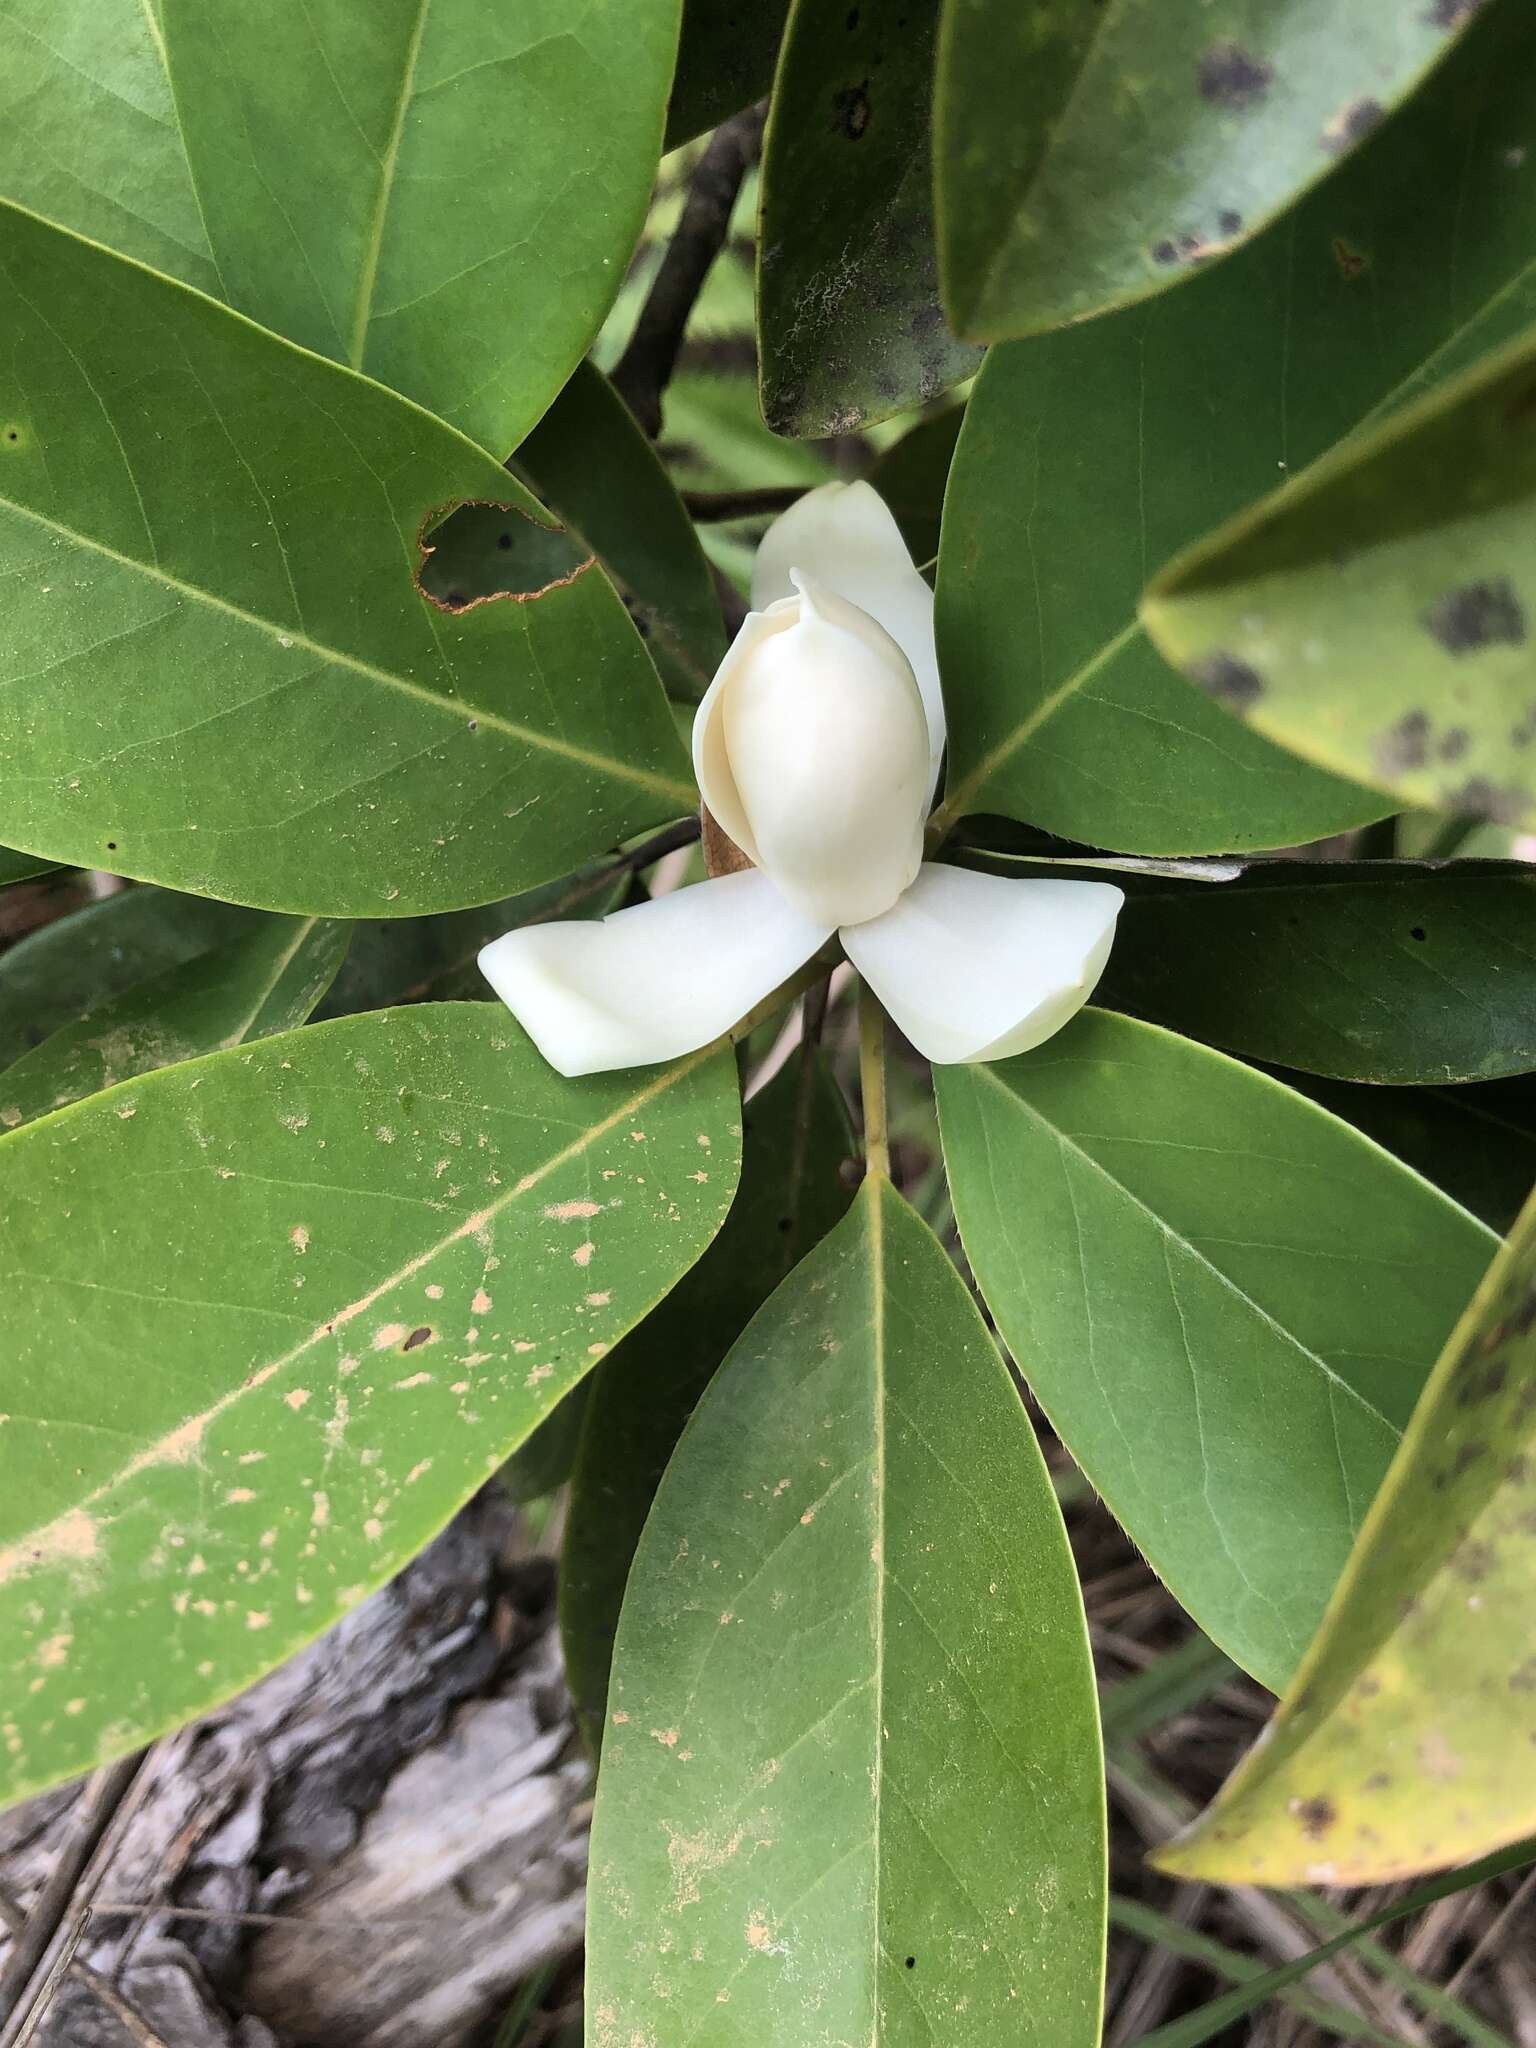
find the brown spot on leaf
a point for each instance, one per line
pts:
(1352, 262)
(1474, 1561)
(418, 1337)
(1477, 615)
(1230, 681)
(1232, 77)
(1480, 798)
(1404, 746)
(1454, 743)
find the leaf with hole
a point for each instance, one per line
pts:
(1376, 616)
(1091, 455)
(1225, 1300)
(1405, 1741)
(796, 1836)
(1089, 155)
(589, 462)
(848, 319)
(192, 498)
(253, 988)
(1364, 970)
(367, 1258)
(796, 1139)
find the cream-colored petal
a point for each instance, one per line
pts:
(711, 763)
(975, 967)
(822, 727)
(845, 536)
(655, 981)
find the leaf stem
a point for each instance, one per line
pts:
(877, 1147)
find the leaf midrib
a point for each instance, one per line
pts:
(362, 310)
(155, 1452)
(455, 708)
(1304, 1351)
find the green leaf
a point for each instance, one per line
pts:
(1375, 617)
(434, 959)
(848, 319)
(796, 1139)
(911, 476)
(851, 1780)
(69, 968)
(1363, 970)
(1090, 456)
(185, 496)
(442, 195)
(21, 867)
(1477, 1143)
(1405, 1742)
(1210, 2020)
(259, 985)
(725, 61)
(349, 1269)
(1225, 1300)
(589, 462)
(546, 1459)
(1090, 155)
(91, 137)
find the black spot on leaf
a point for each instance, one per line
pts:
(1454, 743)
(1165, 252)
(417, 1338)
(1351, 124)
(1480, 798)
(1418, 932)
(850, 109)
(1231, 77)
(1229, 222)
(1228, 680)
(1317, 1816)
(1475, 615)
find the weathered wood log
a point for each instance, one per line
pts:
(367, 1850)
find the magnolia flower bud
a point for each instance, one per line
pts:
(813, 749)
(817, 749)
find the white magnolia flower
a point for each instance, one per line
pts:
(817, 750)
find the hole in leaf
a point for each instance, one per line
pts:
(476, 553)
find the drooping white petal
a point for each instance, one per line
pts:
(845, 536)
(814, 744)
(976, 967)
(652, 982)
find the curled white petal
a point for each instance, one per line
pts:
(655, 981)
(811, 750)
(845, 536)
(976, 967)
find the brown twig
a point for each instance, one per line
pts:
(717, 506)
(644, 370)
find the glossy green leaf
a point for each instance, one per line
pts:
(433, 959)
(1406, 1741)
(1090, 456)
(1376, 617)
(796, 1139)
(250, 989)
(61, 973)
(589, 462)
(1363, 970)
(725, 61)
(186, 497)
(546, 1459)
(1225, 1300)
(848, 319)
(851, 1784)
(21, 867)
(1091, 155)
(911, 476)
(91, 137)
(442, 195)
(1478, 1143)
(311, 1293)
